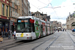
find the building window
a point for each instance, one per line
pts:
(15, 10)
(6, 10)
(10, 11)
(3, 9)
(12, 4)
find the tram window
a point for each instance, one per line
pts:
(27, 27)
(32, 27)
(41, 26)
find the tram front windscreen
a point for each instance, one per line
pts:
(23, 27)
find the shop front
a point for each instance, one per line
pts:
(4, 25)
(12, 24)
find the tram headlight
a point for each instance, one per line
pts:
(26, 34)
(16, 34)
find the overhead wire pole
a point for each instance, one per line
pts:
(9, 15)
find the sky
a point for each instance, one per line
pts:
(57, 9)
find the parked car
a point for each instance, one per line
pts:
(73, 30)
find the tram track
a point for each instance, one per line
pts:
(14, 45)
(57, 38)
(71, 38)
(46, 41)
(6, 47)
(53, 42)
(11, 45)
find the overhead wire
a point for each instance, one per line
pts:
(42, 7)
(36, 7)
(46, 7)
(53, 9)
(42, 2)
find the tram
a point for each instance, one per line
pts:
(30, 28)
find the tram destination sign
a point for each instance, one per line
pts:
(22, 20)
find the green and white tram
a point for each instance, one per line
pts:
(30, 27)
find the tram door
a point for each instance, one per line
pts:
(12, 28)
(3, 28)
(46, 30)
(0, 29)
(41, 30)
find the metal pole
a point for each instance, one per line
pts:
(9, 14)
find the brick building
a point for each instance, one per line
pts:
(70, 21)
(25, 8)
(13, 10)
(4, 15)
(56, 24)
(41, 16)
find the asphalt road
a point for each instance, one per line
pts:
(57, 41)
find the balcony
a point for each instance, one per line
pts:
(16, 2)
(15, 14)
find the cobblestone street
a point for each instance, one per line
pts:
(57, 41)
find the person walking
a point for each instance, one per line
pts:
(9, 35)
(14, 34)
(58, 30)
(1, 39)
(63, 29)
(0, 33)
(3, 34)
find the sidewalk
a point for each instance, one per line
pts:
(7, 41)
(73, 33)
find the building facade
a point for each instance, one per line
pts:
(19, 7)
(25, 8)
(13, 10)
(37, 14)
(4, 15)
(70, 21)
(10, 10)
(41, 16)
(64, 26)
(56, 24)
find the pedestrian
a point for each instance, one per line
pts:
(0, 33)
(9, 35)
(3, 34)
(63, 29)
(14, 34)
(1, 39)
(58, 30)
(6, 34)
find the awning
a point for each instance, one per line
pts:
(4, 20)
